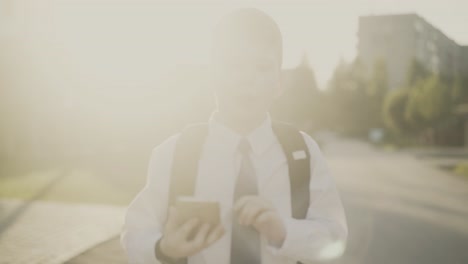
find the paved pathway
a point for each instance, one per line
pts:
(109, 251)
(52, 232)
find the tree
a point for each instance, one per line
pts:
(416, 72)
(394, 110)
(435, 100)
(337, 95)
(413, 112)
(422, 108)
(377, 89)
(355, 96)
(300, 103)
(429, 101)
(459, 91)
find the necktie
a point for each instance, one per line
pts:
(245, 243)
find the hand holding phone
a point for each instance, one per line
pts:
(204, 210)
(191, 226)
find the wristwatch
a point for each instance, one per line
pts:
(165, 259)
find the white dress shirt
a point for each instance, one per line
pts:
(321, 235)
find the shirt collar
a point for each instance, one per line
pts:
(260, 138)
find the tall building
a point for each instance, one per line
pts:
(464, 60)
(398, 39)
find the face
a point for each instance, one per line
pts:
(247, 79)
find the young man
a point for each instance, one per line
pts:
(242, 166)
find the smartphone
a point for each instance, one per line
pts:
(191, 207)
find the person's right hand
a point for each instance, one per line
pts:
(181, 240)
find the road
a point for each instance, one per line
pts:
(400, 209)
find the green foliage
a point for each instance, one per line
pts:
(357, 99)
(416, 72)
(415, 102)
(377, 90)
(461, 169)
(394, 110)
(459, 90)
(435, 103)
(355, 96)
(378, 84)
(428, 103)
(420, 108)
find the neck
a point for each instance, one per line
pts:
(243, 126)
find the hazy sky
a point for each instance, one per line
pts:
(133, 41)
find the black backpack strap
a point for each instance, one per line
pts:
(185, 161)
(293, 144)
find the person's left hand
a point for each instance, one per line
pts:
(263, 216)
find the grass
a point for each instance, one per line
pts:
(57, 185)
(461, 168)
(388, 147)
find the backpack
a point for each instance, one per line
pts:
(188, 151)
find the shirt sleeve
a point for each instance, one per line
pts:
(146, 214)
(322, 234)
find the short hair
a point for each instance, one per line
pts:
(249, 24)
